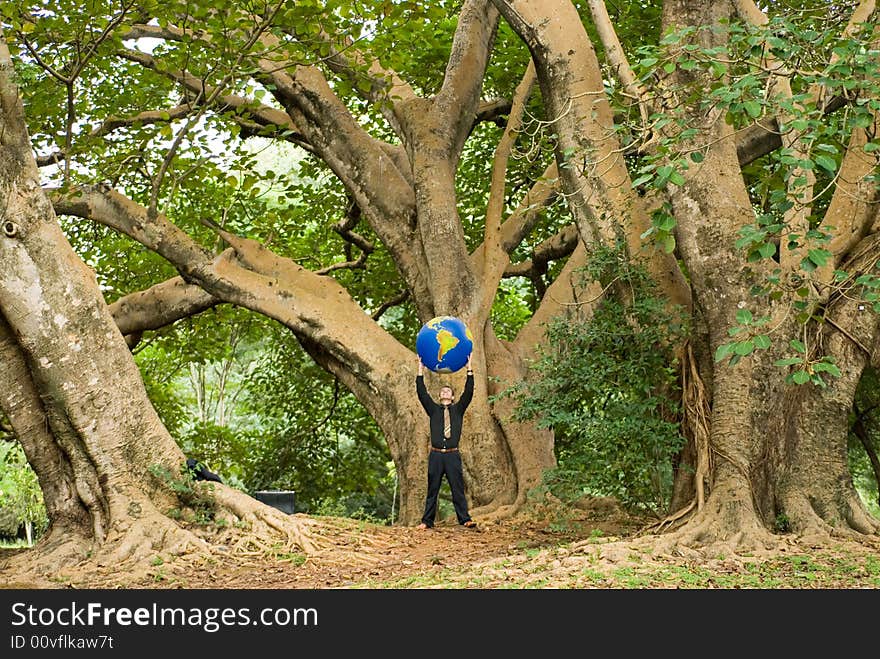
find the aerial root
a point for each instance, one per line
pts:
(673, 521)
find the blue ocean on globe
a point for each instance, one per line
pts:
(444, 344)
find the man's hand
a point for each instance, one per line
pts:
(470, 366)
(421, 367)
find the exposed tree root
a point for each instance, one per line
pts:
(730, 527)
(137, 546)
(265, 523)
(494, 511)
(38, 567)
(58, 557)
(847, 520)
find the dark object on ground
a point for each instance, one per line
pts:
(200, 472)
(283, 500)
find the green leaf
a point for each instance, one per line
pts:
(826, 162)
(723, 350)
(827, 367)
(819, 256)
(807, 264)
(665, 223)
(669, 244)
(744, 348)
(762, 341)
(798, 346)
(676, 178)
(744, 317)
(753, 108)
(788, 361)
(697, 156)
(800, 377)
(767, 250)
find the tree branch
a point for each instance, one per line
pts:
(456, 101)
(160, 305)
(252, 116)
(594, 174)
(494, 257)
(373, 172)
(853, 206)
(114, 123)
(521, 221)
(861, 14)
(316, 308)
(494, 111)
(400, 298)
(566, 293)
(764, 137)
(556, 247)
(617, 58)
(385, 87)
(796, 218)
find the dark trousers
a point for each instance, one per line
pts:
(449, 464)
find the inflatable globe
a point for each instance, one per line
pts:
(444, 344)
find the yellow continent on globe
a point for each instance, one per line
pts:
(447, 341)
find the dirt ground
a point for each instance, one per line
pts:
(355, 554)
(598, 547)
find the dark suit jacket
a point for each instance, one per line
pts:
(435, 412)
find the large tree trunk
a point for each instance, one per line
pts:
(814, 489)
(75, 397)
(779, 449)
(776, 448)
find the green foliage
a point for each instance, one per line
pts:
(21, 499)
(512, 308)
(239, 394)
(782, 524)
(608, 389)
(313, 436)
(865, 427)
(734, 79)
